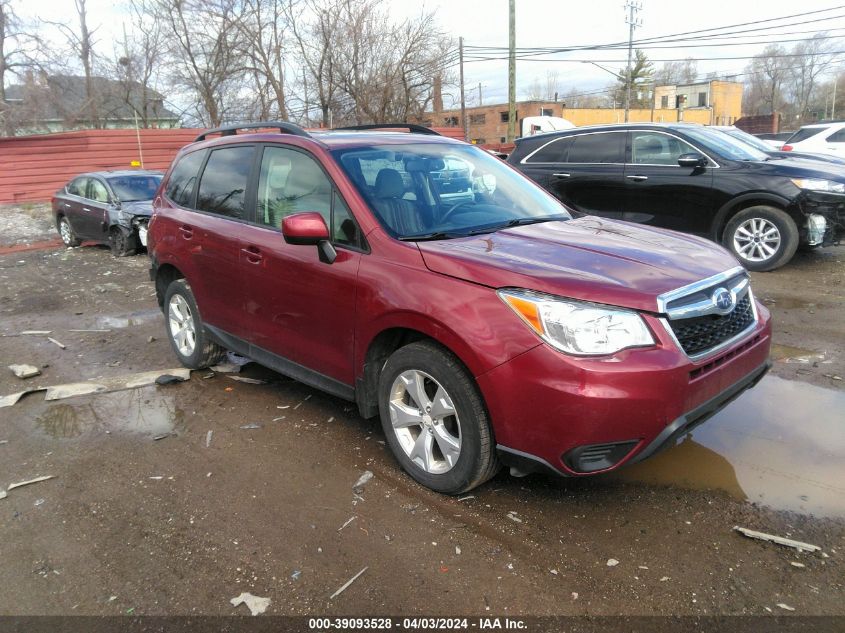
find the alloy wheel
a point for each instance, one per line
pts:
(65, 232)
(756, 240)
(425, 421)
(182, 327)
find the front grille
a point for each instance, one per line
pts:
(700, 334)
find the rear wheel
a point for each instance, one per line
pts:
(434, 419)
(762, 238)
(69, 238)
(185, 329)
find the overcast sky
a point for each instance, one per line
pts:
(541, 23)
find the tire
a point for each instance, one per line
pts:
(445, 469)
(65, 230)
(121, 243)
(195, 350)
(746, 237)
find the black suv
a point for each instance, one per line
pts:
(693, 179)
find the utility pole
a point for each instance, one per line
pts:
(833, 101)
(463, 98)
(632, 6)
(479, 93)
(512, 72)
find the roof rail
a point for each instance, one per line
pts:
(411, 127)
(230, 130)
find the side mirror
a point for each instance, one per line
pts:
(693, 159)
(309, 229)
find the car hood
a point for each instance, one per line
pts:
(794, 167)
(589, 258)
(141, 207)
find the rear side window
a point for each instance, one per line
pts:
(837, 137)
(183, 178)
(77, 187)
(555, 152)
(223, 183)
(804, 133)
(598, 148)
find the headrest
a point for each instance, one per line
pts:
(389, 184)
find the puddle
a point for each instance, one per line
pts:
(791, 354)
(138, 411)
(135, 318)
(781, 444)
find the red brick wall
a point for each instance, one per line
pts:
(32, 168)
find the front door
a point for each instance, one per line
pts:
(298, 307)
(660, 192)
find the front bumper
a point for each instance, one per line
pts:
(829, 206)
(545, 405)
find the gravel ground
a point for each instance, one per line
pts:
(26, 223)
(250, 486)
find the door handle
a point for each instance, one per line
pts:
(253, 255)
(67, 204)
(186, 231)
(86, 209)
(561, 175)
(637, 178)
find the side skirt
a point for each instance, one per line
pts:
(281, 364)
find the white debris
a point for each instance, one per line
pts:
(512, 516)
(256, 605)
(250, 381)
(350, 520)
(664, 579)
(458, 550)
(362, 480)
(52, 340)
(208, 438)
(347, 583)
(2, 494)
(612, 562)
(785, 607)
(805, 547)
(574, 595)
(37, 332)
(225, 368)
(25, 371)
(29, 481)
(12, 398)
(799, 565)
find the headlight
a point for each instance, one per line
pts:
(817, 184)
(576, 327)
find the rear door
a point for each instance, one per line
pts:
(214, 232)
(72, 202)
(299, 308)
(835, 143)
(590, 179)
(95, 210)
(660, 192)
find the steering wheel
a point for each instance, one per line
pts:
(454, 208)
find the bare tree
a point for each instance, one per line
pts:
(81, 43)
(205, 40)
(136, 64)
(767, 72)
(18, 51)
(264, 26)
(811, 58)
(674, 73)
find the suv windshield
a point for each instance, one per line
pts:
(725, 145)
(135, 188)
(747, 138)
(440, 191)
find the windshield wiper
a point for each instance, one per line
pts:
(517, 222)
(438, 235)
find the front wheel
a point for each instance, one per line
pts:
(122, 243)
(185, 329)
(762, 238)
(434, 419)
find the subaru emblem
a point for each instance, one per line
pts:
(723, 300)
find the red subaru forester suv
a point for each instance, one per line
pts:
(436, 287)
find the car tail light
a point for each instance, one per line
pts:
(786, 148)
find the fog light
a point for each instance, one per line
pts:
(816, 228)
